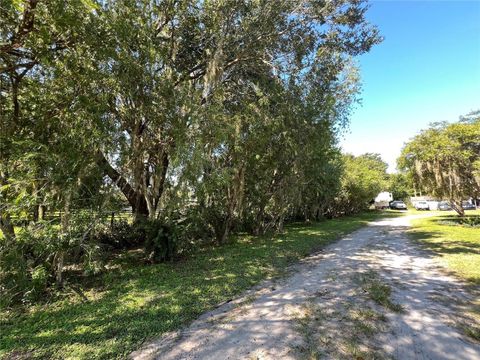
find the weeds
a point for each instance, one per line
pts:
(378, 291)
(348, 331)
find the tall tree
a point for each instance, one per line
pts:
(160, 85)
(400, 185)
(35, 51)
(171, 64)
(363, 178)
(444, 160)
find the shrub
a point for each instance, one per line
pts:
(468, 221)
(160, 241)
(120, 235)
(30, 263)
(14, 282)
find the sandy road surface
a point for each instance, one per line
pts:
(264, 324)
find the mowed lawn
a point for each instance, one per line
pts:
(458, 246)
(134, 302)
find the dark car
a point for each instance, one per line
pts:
(444, 206)
(468, 206)
(398, 205)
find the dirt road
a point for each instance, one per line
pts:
(372, 294)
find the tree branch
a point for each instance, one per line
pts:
(24, 28)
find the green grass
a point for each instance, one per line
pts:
(458, 246)
(344, 333)
(377, 290)
(138, 302)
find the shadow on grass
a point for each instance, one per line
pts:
(468, 221)
(430, 292)
(450, 247)
(138, 301)
(458, 245)
(422, 293)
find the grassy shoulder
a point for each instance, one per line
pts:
(458, 246)
(136, 302)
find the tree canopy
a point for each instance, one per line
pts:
(200, 117)
(444, 160)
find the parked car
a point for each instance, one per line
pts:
(468, 206)
(422, 205)
(398, 205)
(444, 206)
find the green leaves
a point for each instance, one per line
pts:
(223, 113)
(19, 5)
(442, 160)
(363, 178)
(91, 4)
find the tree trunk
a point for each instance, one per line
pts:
(60, 257)
(140, 207)
(457, 206)
(135, 198)
(281, 223)
(226, 231)
(41, 212)
(157, 182)
(38, 212)
(59, 268)
(35, 213)
(235, 193)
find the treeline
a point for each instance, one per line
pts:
(444, 160)
(202, 118)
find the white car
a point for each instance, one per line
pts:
(422, 205)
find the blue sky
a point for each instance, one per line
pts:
(427, 69)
